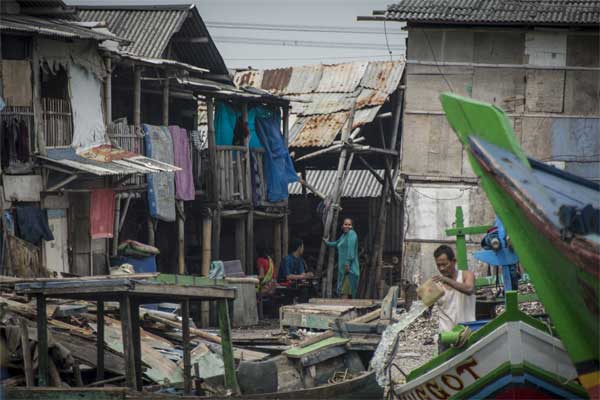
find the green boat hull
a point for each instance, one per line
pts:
(567, 288)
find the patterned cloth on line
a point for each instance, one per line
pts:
(184, 179)
(161, 185)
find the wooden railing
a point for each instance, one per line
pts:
(25, 114)
(131, 138)
(231, 174)
(259, 176)
(58, 122)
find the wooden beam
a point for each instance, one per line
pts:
(100, 340)
(26, 352)
(165, 101)
(126, 335)
(137, 96)
(180, 237)
(312, 189)
(240, 242)
(185, 330)
(136, 341)
(320, 152)
(192, 40)
(371, 169)
(62, 183)
(285, 235)
(212, 150)
(216, 234)
(42, 331)
(227, 347)
(38, 113)
(108, 91)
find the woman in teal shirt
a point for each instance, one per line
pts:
(348, 270)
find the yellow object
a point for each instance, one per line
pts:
(430, 292)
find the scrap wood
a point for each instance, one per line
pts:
(315, 339)
(368, 317)
(298, 352)
(177, 325)
(84, 350)
(160, 368)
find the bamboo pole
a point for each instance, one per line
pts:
(331, 259)
(212, 150)
(250, 217)
(334, 196)
(137, 96)
(115, 241)
(277, 242)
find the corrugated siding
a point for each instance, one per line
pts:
(322, 95)
(359, 183)
(552, 12)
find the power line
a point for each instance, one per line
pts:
(299, 28)
(302, 43)
(307, 58)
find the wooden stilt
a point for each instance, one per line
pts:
(136, 341)
(165, 100)
(277, 242)
(285, 235)
(227, 347)
(250, 241)
(42, 330)
(216, 234)
(127, 336)
(100, 340)
(206, 259)
(240, 244)
(181, 237)
(137, 97)
(185, 330)
(212, 150)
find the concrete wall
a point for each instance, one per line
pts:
(548, 83)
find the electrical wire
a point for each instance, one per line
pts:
(298, 28)
(301, 43)
(308, 58)
(387, 44)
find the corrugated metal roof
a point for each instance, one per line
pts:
(135, 164)
(58, 28)
(382, 75)
(498, 12)
(359, 183)
(321, 96)
(304, 79)
(152, 28)
(341, 78)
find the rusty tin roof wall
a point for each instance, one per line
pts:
(498, 12)
(322, 95)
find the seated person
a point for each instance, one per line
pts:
(267, 273)
(293, 267)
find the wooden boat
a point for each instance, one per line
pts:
(562, 261)
(511, 357)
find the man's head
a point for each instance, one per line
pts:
(297, 247)
(347, 225)
(445, 261)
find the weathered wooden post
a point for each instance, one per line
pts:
(38, 110)
(42, 340)
(187, 362)
(227, 347)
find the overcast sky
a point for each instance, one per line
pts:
(279, 33)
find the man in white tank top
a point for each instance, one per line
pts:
(458, 303)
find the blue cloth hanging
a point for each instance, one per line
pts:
(226, 118)
(279, 170)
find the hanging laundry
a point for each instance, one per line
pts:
(161, 185)
(32, 223)
(102, 213)
(184, 179)
(279, 170)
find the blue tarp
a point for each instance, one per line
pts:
(279, 170)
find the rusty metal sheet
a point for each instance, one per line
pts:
(341, 78)
(328, 103)
(276, 80)
(365, 116)
(304, 79)
(369, 97)
(319, 130)
(248, 78)
(383, 75)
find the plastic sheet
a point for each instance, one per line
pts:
(381, 360)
